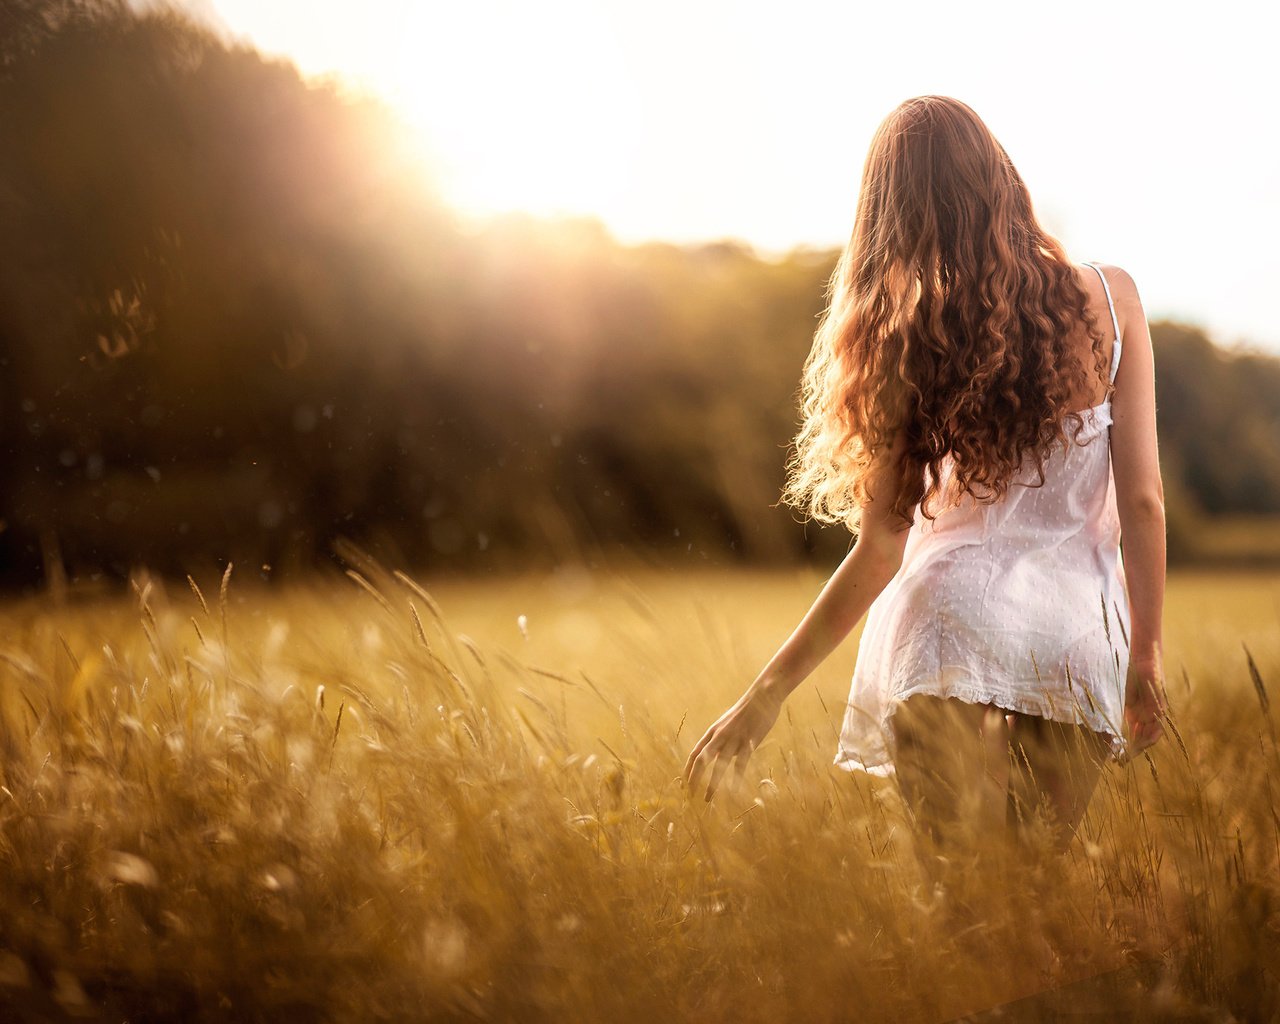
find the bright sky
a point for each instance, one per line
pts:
(1145, 132)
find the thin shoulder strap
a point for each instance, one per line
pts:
(1115, 324)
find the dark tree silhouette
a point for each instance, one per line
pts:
(237, 322)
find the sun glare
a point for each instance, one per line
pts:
(725, 119)
(526, 113)
(519, 106)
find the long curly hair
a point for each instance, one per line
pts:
(948, 318)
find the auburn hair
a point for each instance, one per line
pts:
(948, 317)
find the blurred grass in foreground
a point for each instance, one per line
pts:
(375, 799)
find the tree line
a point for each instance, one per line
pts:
(237, 323)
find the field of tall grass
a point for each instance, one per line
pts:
(380, 797)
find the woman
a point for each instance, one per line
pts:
(967, 418)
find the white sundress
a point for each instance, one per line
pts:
(1014, 603)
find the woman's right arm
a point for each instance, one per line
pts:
(1140, 502)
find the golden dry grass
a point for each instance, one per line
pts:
(381, 798)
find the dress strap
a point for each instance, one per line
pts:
(1115, 324)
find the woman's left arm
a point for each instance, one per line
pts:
(865, 571)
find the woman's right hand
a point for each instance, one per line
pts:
(1144, 701)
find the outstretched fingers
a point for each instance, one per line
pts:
(706, 754)
(691, 762)
(723, 757)
(715, 753)
(732, 739)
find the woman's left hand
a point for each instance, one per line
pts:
(733, 737)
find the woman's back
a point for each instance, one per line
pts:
(1019, 602)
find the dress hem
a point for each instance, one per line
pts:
(1045, 709)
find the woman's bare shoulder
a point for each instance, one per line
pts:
(1125, 297)
(1123, 287)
